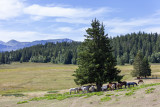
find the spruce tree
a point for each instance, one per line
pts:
(146, 68)
(96, 63)
(141, 66)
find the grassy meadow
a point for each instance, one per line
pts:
(23, 77)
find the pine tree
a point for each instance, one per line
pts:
(137, 65)
(96, 63)
(146, 68)
(141, 66)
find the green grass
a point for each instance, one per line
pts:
(21, 102)
(64, 96)
(52, 91)
(107, 98)
(129, 93)
(87, 95)
(109, 94)
(16, 95)
(26, 77)
(148, 91)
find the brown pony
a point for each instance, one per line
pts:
(119, 85)
(140, 81)
(112, 86)
(123, 83)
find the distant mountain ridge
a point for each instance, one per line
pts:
(14, 45)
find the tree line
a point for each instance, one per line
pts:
(65, 53)
(125, 48)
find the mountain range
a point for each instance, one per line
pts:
(15, 45)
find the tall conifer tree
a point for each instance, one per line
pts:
(96, 63)
(141, 66)
(147, 69)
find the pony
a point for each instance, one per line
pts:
(131, 83)
(92, 88)
(104, 87)
(85, 88)
(112, 86)
(123, 83)
(119, 85)
(73, 89)
(140, 81)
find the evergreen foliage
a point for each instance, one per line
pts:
(64, 53)
(141, 66)
(125, 48)
(96, 63)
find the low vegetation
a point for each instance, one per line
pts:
(64, 96)
(148, 91)
(21, 102)
(30, 76)
(16, 95)
(52, 91)
(129, 93)
(107, 98)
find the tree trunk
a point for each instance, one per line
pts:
(99, 85)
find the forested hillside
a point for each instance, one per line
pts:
(125, 47)
(64, 52)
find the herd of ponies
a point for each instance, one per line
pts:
(110, 86)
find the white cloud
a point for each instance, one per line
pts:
(152, 29)
(56, 11)
(74, 20)
(64, 29)
(27, 35)
(10, 8)
(121, 26)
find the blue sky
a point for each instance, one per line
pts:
(29, 20)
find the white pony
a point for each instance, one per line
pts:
(85, 88)
(73, 89)
(92, 88)
(104, 88)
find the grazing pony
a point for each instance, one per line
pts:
(112, 86)
(140, 81)
(119, 85)
(73, 89)
(123, 83)
(92, 88)
(131, 83)
(104, 87)
(85, 88)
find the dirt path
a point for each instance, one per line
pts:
(75, 102)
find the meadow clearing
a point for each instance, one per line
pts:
(23, 77)
(36, 80)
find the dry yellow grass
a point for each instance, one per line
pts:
(35, 77)
(18, 77)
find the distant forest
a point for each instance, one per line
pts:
(125, 47)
